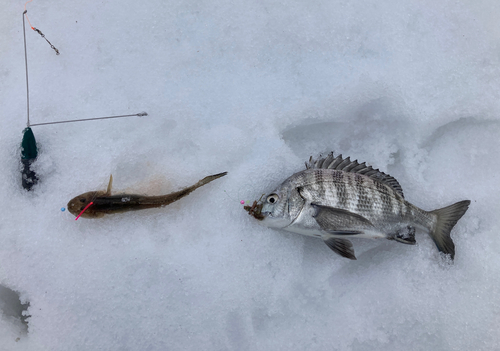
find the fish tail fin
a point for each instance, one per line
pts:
(209, 178)
(163, 200)
(447, 217)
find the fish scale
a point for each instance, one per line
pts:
(336, 198)
(364, 196)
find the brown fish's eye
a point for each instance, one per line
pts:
(272, 198)
(82, 200)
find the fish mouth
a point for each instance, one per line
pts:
(256, 210)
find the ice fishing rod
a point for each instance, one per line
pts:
(29, 150)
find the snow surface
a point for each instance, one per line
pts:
(253, 88)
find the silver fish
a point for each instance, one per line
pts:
(336, 198)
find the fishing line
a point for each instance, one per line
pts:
(232, 199)
(36, 29)
(27, 2)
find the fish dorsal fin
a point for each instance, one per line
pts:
(110, 185)
(345, 164)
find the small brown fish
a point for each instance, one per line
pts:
(104, 203)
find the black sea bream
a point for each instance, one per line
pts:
(336, 198)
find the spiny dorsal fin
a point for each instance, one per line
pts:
(110, 185)
(345, 164)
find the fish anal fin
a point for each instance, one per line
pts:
(343, 247)
(338, 221)
(110, 185)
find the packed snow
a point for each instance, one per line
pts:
(254, 89)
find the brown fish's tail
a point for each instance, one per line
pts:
(192, 188)
(447, 217)
(163, 200)
(208, 179)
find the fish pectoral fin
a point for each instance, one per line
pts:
(337, 220)
(110, 185)
(341, 246)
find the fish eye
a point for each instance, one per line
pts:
(272, 198)
(82, 200)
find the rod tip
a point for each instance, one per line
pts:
(141, 114)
